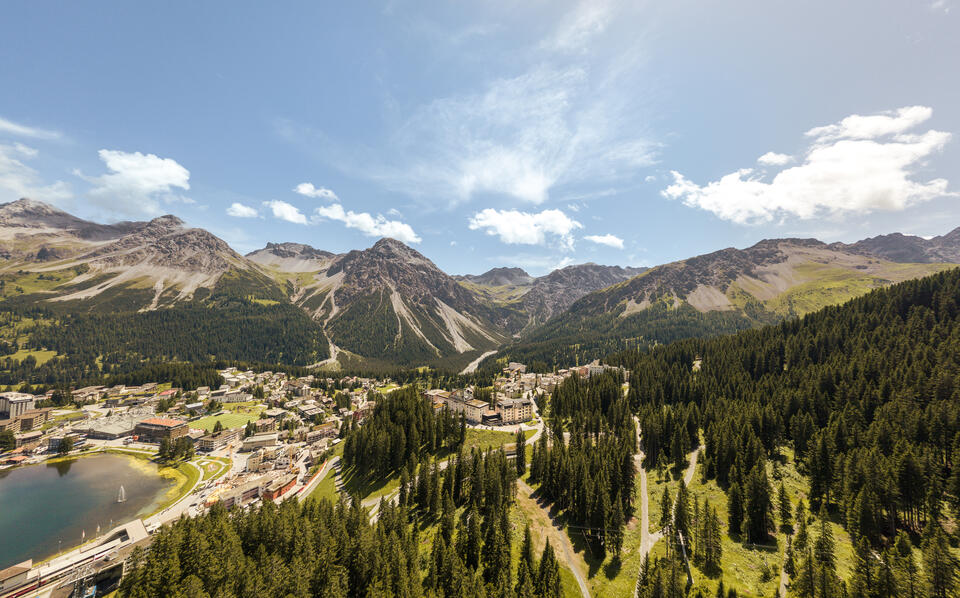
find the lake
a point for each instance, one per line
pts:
(42, 505)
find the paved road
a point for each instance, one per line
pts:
(330, 464)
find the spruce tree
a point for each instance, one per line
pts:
(521, 452)
(786, 515)
(939, 565)
(734, 509)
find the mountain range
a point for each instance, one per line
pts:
(390, 304)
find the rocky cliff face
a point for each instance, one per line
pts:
(499, 277)
(897, 247)
(291, 257)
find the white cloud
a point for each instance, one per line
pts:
(856, 126)
(310, 191)
(525, 228)
(608, 240)
(18, 180)
(860, 165)
(136, 183)
(238, 210)
(371, 226)
(284, 211)
(774, 159)
(12, 128)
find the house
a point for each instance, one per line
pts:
(10, 424)
(29, 439)
(460, 402)
(53, 443)
(265, 425)
(156, 429)
(515, 411)
(218, 440)
(260, 441)
(14, 404)
(514, 368)
(278, 487)
(31, 420)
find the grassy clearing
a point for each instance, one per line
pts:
(486, 439)
(42, 357)
(327, 488)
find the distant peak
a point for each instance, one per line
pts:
(388, 242)
(167, 221)
(24, 205)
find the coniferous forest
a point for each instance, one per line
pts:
(860, 402)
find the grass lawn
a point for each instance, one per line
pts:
(42, 357)
(213, 468)
(485, 439)
(327, 488)
(229, 420)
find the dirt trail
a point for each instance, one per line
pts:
(557, 535)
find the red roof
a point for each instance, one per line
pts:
(162, 421)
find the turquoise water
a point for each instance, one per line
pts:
(45, 507)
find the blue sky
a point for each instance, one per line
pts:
(534, 134)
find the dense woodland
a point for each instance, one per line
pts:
(868, 397)
(403, 430)
(573, 339)
(591, 476)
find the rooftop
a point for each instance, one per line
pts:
(163, 421)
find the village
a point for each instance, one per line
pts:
(260, 436)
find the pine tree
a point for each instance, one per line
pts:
(666, 509)
(788, 562)
(802, 534)
(616, 528)
(548, 574)
(861, 584)
(521, 452)
(783, 500)
(939, 565)
(734, 508)
(681, 512)
(825, 554)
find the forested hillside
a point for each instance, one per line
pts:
(865, 395)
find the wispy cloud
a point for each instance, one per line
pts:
(11, 128)
(18, 180)
(558, 116)
(859, 165)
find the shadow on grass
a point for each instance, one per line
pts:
(364, 486)
(591, 552)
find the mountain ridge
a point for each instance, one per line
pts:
(391, 303)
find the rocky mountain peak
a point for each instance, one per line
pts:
(500, 277)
